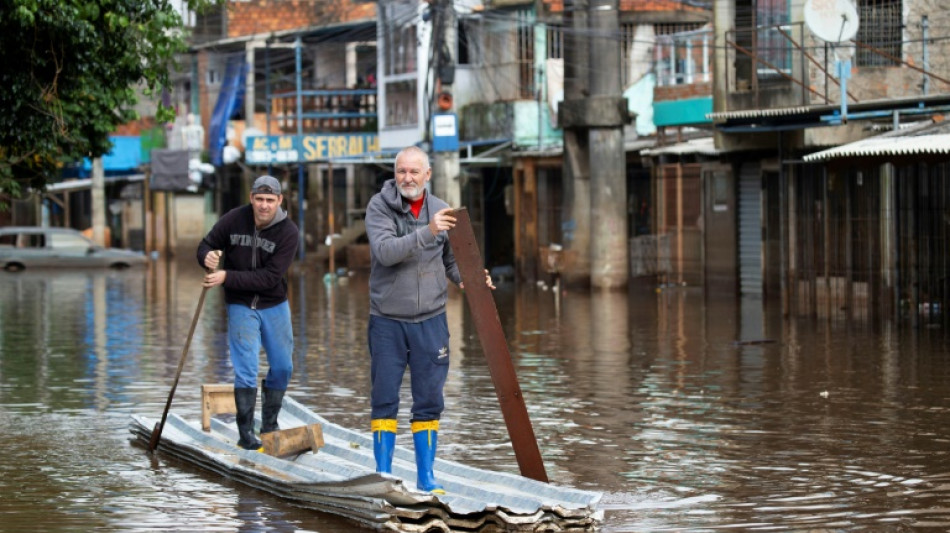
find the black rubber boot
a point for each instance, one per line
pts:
(245, 398)
(270, 408)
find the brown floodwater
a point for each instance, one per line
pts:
(690, 412)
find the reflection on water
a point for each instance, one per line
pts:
(690, 412)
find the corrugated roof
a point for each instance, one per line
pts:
(703, 146)
(775, 112)
(341, 479)
(885, 146)
(906, 104)
(929, 138)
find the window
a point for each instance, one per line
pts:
(526, 68)
(771, 44)
(401, 107)
(880, 27)
(682, 58)
(67, 242)
(470, 52)
(555, 41)
(401, 41)
(27, 240)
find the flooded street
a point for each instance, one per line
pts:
(689, 412)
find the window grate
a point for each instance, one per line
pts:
(881, 28)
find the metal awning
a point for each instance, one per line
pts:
(491, 156)
(886, 146)
(812, 116)
(702, 146)
(930, 138)
(86, 183)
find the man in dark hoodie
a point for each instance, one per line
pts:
(259, 244)
(410, 262)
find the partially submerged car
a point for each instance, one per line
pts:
(35, 247)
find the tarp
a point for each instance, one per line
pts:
(170, 170)
(229, 99)
(126, 154)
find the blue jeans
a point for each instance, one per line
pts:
(424, 348)
(248, 330)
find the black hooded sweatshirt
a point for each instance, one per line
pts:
(256, 260)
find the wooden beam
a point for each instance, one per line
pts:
(495, 347)
(293, 441)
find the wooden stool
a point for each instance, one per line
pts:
(216, 398)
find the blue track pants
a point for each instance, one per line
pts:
(424, 348)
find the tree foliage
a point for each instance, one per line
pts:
(71, 68)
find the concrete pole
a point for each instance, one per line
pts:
(446, 169)
(301, 227)
(608, 180)
(576, 173)
(249, 82)
(98, 202)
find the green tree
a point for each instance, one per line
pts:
(71, 68)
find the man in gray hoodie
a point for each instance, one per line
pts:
(411, 264)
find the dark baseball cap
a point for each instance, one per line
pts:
(266, 185)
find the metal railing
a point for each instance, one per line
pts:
(337, 110)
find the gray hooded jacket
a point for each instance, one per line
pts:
(408, 265)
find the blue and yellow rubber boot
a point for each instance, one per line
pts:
(425, 436)
(384, 443)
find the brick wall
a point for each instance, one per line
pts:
(263, 16)
(680, 92)
(557, 6)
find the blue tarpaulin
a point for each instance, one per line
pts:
(229, 100)
(126, 155)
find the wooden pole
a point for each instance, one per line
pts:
(492, 337)
(157, 430)
(331, 268)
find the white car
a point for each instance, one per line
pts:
(35, 247)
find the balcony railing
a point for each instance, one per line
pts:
(326, 111)
(767, 57)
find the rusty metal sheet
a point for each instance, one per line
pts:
(495, 346)
(341, 479)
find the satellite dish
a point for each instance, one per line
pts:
(832, 21)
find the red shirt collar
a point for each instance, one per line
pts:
(416, 205)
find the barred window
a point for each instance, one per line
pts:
(555, 41)
(526, 53)
(880, 27)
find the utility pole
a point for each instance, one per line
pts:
(445, 166)
(608, 179)
(593, 115)
(98, 194)
(576, 172)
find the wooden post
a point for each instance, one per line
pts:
(293, 441)
(331, 266)
(492, 337)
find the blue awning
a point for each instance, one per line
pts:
(126, 155)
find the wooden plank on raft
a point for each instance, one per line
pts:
(495, 346)
(292, 441)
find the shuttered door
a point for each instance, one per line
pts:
(750, 230)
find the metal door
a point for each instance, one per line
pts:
(750, 229)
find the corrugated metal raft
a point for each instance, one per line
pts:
(341, 479)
